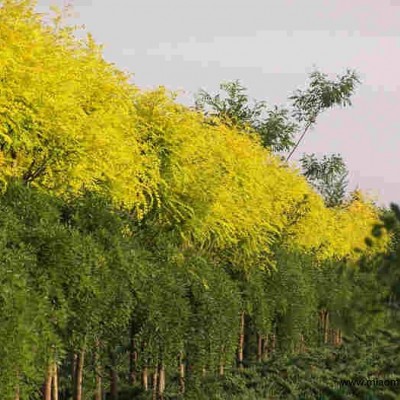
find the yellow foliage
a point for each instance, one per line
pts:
(69, 120)
(212, 181)
(337, 232)
(66, 116)
(222, 189)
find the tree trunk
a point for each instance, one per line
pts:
(222, 361)
(181, 374)
(155, 383)
(273, 342)
(113, 384)
(161, 381)
(302, 344)
(326, 326)
(337, 337)
(17, 393)
(74, 361)
(55, 381)
(321, 325)
(259, 347)
(241, 341)
(47, 385)
(265, 348)
(145, 378)
(98, 393)
(133, 359)
(79, 375)
(113, 379)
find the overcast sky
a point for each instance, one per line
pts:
(271, 46)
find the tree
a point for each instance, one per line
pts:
(321, 94)
(137, 234)
(389, 271)
(64, 112)
(328, 176)
(278, 126)
(272, 125)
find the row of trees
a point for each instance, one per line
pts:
(90, 298)
(144, 244)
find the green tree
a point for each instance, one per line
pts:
(278, 126)
(320, 95)
(328, 176)
(272, 125)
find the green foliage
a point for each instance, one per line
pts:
(322, 94)
(315, 375)
(278, 126)
(214, 318)
(293, 287)
(136, 233)
(272, 125)
(389, 271)
(33, 241)
(22, 312)
(328, 176)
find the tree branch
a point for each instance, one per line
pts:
(298, 142)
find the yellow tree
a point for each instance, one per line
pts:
(66, 119)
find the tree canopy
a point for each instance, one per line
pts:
(141, 239)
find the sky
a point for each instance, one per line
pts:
(271, 46)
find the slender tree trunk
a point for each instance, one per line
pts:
(273, 342)
(326, 326)
(98, 393)
(241, 341)
(340, 339)
(259, 347)
(264, 354)
(337, 337)
(113, 384)
(145, 371)
(181, 374)
(47, 385)
(155, 383)
(79, 375)
(113, 378)
(222, 361)
(145, 378)
(55, 381)
(298, 142)
(17, 392)
(133, 357)
(302, 344)
(74, 362)
(17, 387)
(161, 381)
(321, 324)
